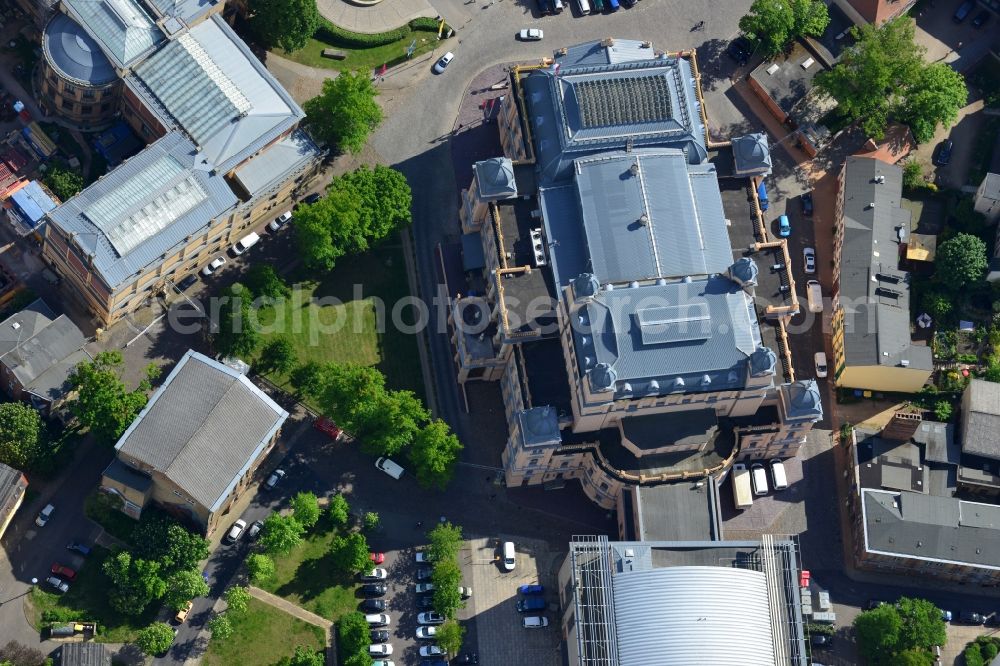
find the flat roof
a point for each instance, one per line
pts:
(683, 511)
(788, 78)
(276, 162)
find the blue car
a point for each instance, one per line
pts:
(531, 589)
(78, 547)
(762, 196)
(784, 228)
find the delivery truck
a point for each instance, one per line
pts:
(742, 493)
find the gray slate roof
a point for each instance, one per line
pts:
(752, 154)
(981, 418)
(875, 294)
(144, 208)
(187, 11)
(11, 488)
(933, 528)
(123, 28)
(277, 162)
(84, 654)
(33, 318)
(939, 442)
(203, 428)
(47, 352)
(74, 54)
(208, 83)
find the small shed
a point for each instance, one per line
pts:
(85, 654)
(28, 207)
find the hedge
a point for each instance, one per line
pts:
(332, 34)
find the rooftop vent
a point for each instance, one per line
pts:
(538, 247)
(772, 69)
(634, 169)
(644, 219)
(879, 178)
(871, 205)
(16, 325)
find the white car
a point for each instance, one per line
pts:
(535, 622)
(424, 588)
(383, 662)
(236, 531)
(432, 651)
(378, 620)
(426, 633)
(430, 618)
(376, 574)
(277, 222)
(809, 259)
(821, 368)
(531, 35)
(44, 515)
(213, 266)
(420, 557)
(58, 583)
(275, 478)
(443, 62)
(380, 650)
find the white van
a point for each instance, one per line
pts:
(759, 478)
(389, 467)
(584, 6)
(508, 555)
(814, 295)
(778, 475)
(245, 243)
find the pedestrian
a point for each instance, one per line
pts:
(420, 523)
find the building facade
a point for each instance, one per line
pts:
(12, 486)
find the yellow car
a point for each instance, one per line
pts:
(182, 614)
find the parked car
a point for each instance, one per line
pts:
(79, 548)
(421, 557)
(378, 635)
(380, 650)
(819, 358)
(970, 617)
(944, 153)
(186, 283)
(255, 528)
(946, 616)
(809, 259)
(182, 614)
(531, 34)
(378, 620)
(740, 50)
(383, 662)
(529, 604)
(374, 589)
(430, 618)
(432, 651)
(759, 478)
(784, 227)
(389, 467)
(465, 591)
(981, 19)
(45, 515)
(963, 11)
(507, 552)
(275, 478)
(426, 633)
(445, 60)
(213, 266)
(377, 558)
(63, 572)
(236, 531)
(423, 573)
(279, 221)
(822, 641)
(375, 575)
(310, 199)
(531, 589)
(424, 588)
(372, 606)
(807, 204)
(58, 583)
(534, 622)
(245, 243)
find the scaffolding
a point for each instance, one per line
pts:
(596, 635)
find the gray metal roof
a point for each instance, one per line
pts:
(24, 324)
(48, 347)
(144, 208)
(576, 110)
(209, 83)
(495, 178)
(276, 162)
(939, 442)
(693, 616)
(186, 10)
(72, 52)
(803, 400)
(875, 294)
(603, 53)
(693, 352)
(650, 214)
(84, 654)
(12, 485)
(981, 418)
(123, 28)
(203, 428)
(751, 154)
(928, 527)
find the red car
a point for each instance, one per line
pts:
(327, 426)
(378, 558)
(63, 572)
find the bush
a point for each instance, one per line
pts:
(332, 34)
(972, 655)
(942, 410)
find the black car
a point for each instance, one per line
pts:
(423, 573)
(374, 589)
(944, 152)
(628, 3)
(807, 204)
(740, 49)
(963, 11)
(981, 19)
(425, 602)
(379, 635)
(186, 283)
(970, 617)
(824, 641)
(470, 658)
(312, 198)
(874, 603)
(372, 606)
(993, 620)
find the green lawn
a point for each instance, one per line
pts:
(87, 600)
(364, 59)
(261, 637)
(306, 578)
(327, 321)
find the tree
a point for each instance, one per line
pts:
(350, 395)
(942, 410)
(238, 599)
(352, 635)
(278, 355)
(155, 639)
(922, 627)
(305, 508)
(371, 520)
(19, 654)
(280, 534)
(913, 175)
(445, 542)
(338, 511)
(328, 229)
(182, 587)
(937, 304)
(65, 183)
(393, 423)
(447, 578)
(434, 454)
(136, 583)
(913, 658)
(345, 112)
(220, 626)
(973, 655)
(450, 636)
(238, 331)
(308, 379)
(877, 632)
(264, 282)
(21, 435)
(769, 23)
(304, 656)
(933, 97)
(811, 18)
(385, 200)
(285, 23)
(161, 539)
(260, 568)
(349, 554)
(960, 260)
(103, 403)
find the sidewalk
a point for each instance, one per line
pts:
(385, 16)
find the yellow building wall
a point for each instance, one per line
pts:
(880, 378)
